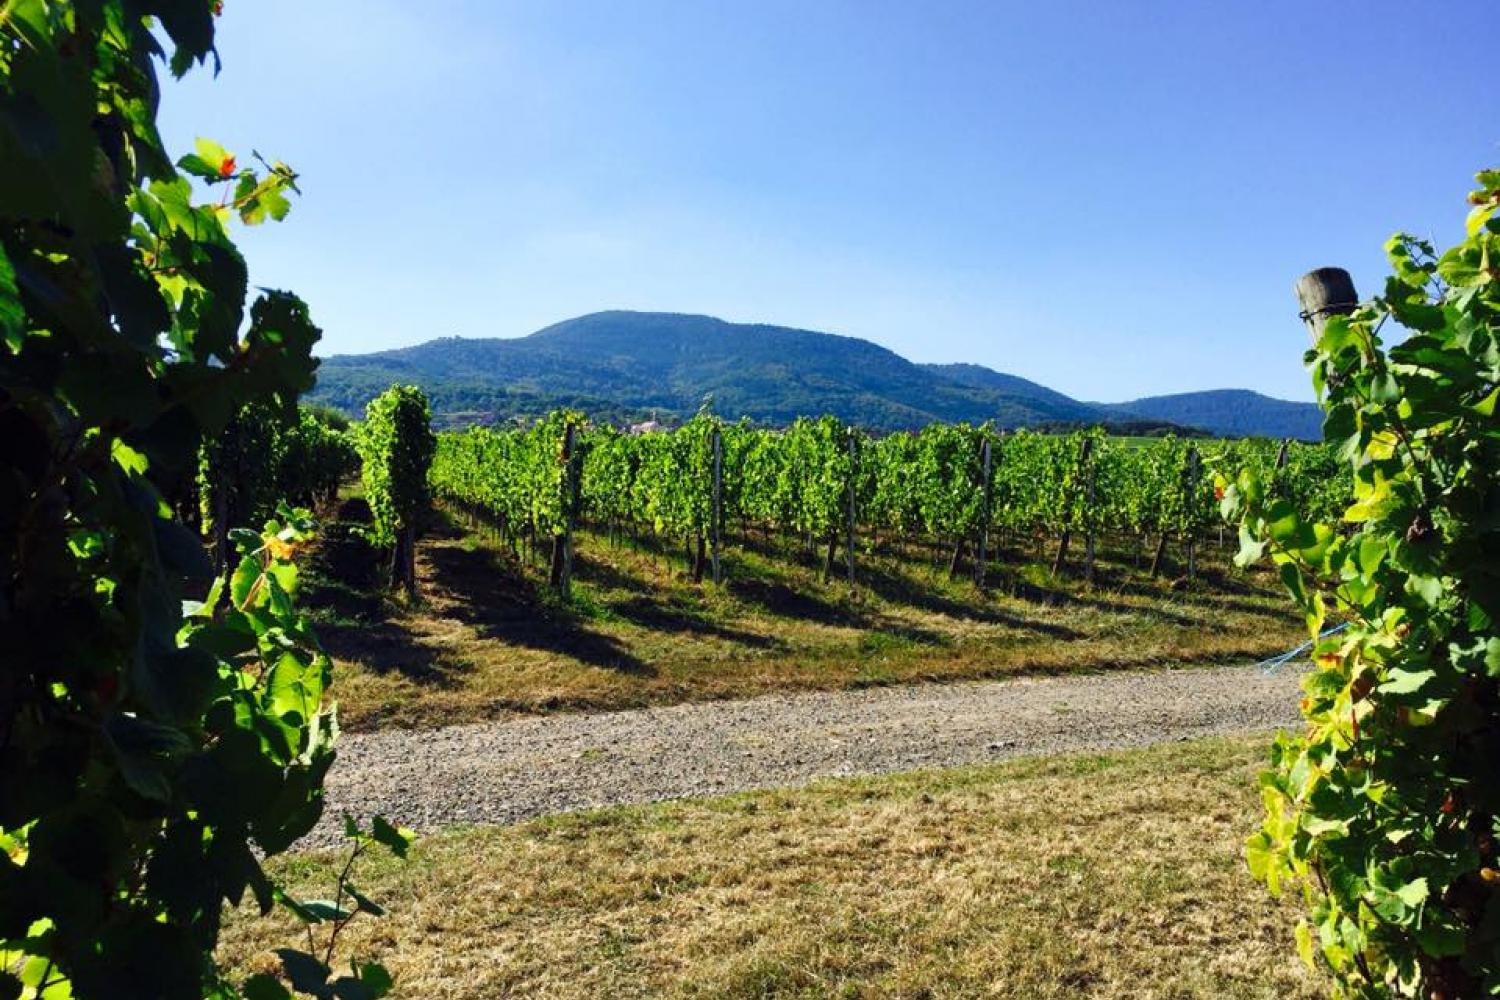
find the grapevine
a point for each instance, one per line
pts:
(163, 728)
(396, 447)
(795, 483)
(1384, 812)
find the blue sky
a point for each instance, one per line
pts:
(1111, 198)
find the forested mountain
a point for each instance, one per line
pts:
(980, 377)
(1228, 413)
(626, 365)
(669, 362)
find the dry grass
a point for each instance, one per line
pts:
(1104, 876)
(486, 640)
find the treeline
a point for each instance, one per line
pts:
(826, 486)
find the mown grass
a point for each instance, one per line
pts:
(1101, 875)
(487, 638)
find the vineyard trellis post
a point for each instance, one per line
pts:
(1088, 507)
(1278, 475)
(849, 527)
(1324, 292)
(716, 534)
(1190, 487)
(561, 576)
(1160, 556)
(982, 559)
(1060, 563)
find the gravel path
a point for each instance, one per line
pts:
(500, 772)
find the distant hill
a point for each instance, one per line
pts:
(669, 362)
(980, 377)
(622, 366)
(1228, 413)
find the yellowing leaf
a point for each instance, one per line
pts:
(1303, 935)
(1383, 445)
(1366, 510)
(211, 152)
(1478, 216)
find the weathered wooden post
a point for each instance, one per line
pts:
(1088, 538)
(561, 575)
(1324, 292)
(984, 523)
(1278, 472)
(1060, 563)
(718, 509)
(849, 528)
(1191, 488)
(1159, 558)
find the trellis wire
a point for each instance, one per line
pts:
(1271, 665)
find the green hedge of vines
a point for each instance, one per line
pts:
(162, 730)
(396, 446)
(1384, 813)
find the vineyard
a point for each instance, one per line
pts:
(820, 487)
(264, 457)
(671, 710)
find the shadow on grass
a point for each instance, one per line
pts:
(387, 647)
(647, 614)
(487, 591)
(342, 590)
(897, 588)
(1213, 594)
(747, 583)
(610, 575)
(776, 598)
(1058, 597)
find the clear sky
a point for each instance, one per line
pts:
(1112, 198)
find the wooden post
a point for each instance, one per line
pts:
(561, 575)
(1278, 477)
(1160, 557)
(984, 524)
(1088, 539)
(1191, 488)
(718, 508)
(1324, 292)
(1060, 563)
(849, 527)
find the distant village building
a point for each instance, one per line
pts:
(649, 426)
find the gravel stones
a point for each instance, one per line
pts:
(501, 772)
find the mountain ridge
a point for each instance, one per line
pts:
(620, 365)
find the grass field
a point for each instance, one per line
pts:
(1105, 876)
(487, 639)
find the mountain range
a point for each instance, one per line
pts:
(622, 366)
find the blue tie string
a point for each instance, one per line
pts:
(1270, 666)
